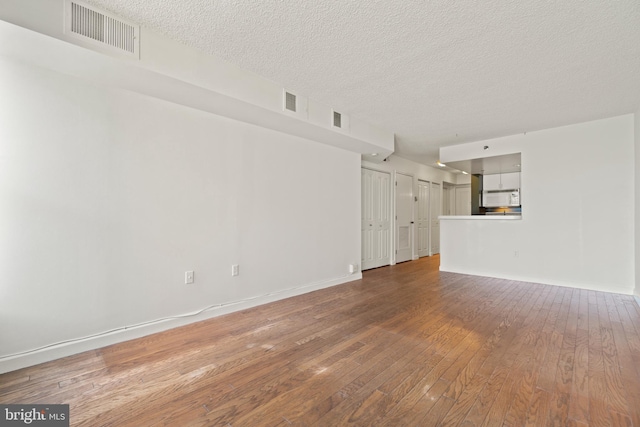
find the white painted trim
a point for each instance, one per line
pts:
(126, 333)
(610, 289)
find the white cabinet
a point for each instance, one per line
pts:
(501, 181)
(491, 182)
(510, 181)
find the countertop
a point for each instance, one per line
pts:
(481, 217)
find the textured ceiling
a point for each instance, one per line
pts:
(434, 72)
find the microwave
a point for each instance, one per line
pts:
(496, 199)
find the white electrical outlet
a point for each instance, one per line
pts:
(235, 269)
(188, 277)
(353, 268)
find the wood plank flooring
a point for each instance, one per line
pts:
(405, 346)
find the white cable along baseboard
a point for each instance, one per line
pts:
(61, 349)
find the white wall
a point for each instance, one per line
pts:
(418, 170)
(107, 197)
(577, 226)
(395, 164)
(181, 74)
(636, 128)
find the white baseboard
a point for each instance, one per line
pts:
(57, 351)
(615, 289)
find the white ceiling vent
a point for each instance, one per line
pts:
(101, 30)
(339, 121)
(290, 102)
(294, 104)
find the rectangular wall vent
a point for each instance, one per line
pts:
(294, 104)
(290, 102)
(101, 29)
(337, 119)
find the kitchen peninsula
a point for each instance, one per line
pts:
(472, 244)
(479, 217)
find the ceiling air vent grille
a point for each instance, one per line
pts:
(294, 105)
(337, 119)
(290, 102)
(101, 29)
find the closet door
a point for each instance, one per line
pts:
(423, 218)
(463, 200)
(404, 217)
(436, 210)
(376, 219)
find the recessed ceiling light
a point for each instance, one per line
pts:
(465, 173)
(440, 164)
(374, 154)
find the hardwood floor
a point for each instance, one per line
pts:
(406, 345)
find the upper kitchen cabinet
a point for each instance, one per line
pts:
(491, 182)
(501, 181)
(510, 181)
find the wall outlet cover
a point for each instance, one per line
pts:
(188, 277)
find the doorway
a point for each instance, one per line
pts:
(448, 199)
(463, 200)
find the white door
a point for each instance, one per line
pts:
(376, 219)
(435, 222)
(447, 200)
(404, 217)
(463, 200)
(423, 218)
